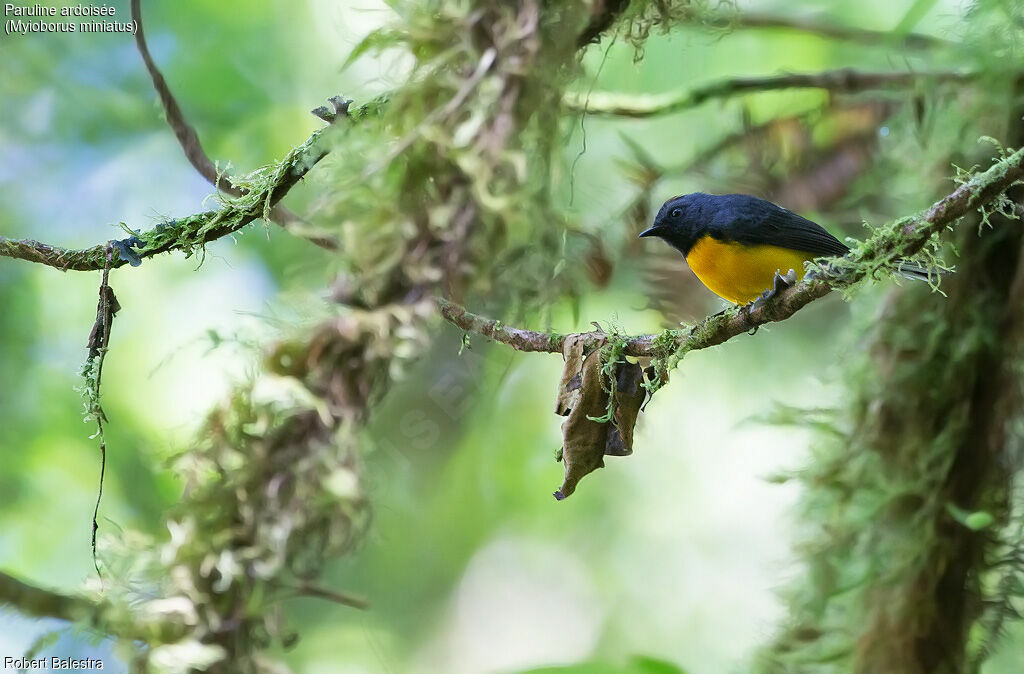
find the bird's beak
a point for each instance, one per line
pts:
(650, 231)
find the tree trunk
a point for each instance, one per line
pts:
(908, 501)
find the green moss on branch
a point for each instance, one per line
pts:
(266, 187)
(882, 251)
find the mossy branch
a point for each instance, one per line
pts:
(40, 603)
(189, 141)
(106, 617)
(837, 81)
(193, 232)
(883, 250)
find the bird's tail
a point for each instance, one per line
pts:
(916, 272)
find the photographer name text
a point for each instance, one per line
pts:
(54, 664)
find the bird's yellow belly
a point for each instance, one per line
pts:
(739, 273)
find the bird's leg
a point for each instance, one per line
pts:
(779, 283)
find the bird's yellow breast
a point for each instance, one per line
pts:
(738, 272)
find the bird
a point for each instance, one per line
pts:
(741, 247)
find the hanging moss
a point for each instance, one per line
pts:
(902, 502)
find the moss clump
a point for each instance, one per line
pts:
(664, 347)
(613, 354)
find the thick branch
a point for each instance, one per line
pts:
(882, 250)
(837, 81)
(40, 603)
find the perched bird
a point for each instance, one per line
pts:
(740, 246)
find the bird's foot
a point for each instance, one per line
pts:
(779, 283)
(339, 108)
(125, 252)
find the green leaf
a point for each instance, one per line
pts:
(377, 40)
(582, 668)
(979, 520)
(975, 521)
(645, 664)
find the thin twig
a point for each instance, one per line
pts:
(309, 590)
(825, 29)
(188, 139)
(838, 81)
(99, 342)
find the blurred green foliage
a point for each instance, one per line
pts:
(470, 566)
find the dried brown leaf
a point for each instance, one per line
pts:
(629, 397)
(580, 397)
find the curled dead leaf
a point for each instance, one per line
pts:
(590, 433)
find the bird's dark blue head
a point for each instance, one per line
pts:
(680, 222)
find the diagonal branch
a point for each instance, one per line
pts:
(904, 237)
(838, 81)
(188, 234)
(193, 232)
(189, 139)
(39, 603)
(183, 131)
(105, 616)
(343, 598)
(197, 230)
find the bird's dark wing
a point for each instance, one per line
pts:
(753, 221)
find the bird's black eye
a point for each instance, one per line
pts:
(676, 213)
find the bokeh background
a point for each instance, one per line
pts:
(670, 560)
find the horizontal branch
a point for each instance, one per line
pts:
(882, 250)
(838, 81)
(827, 29)
(518, 338)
